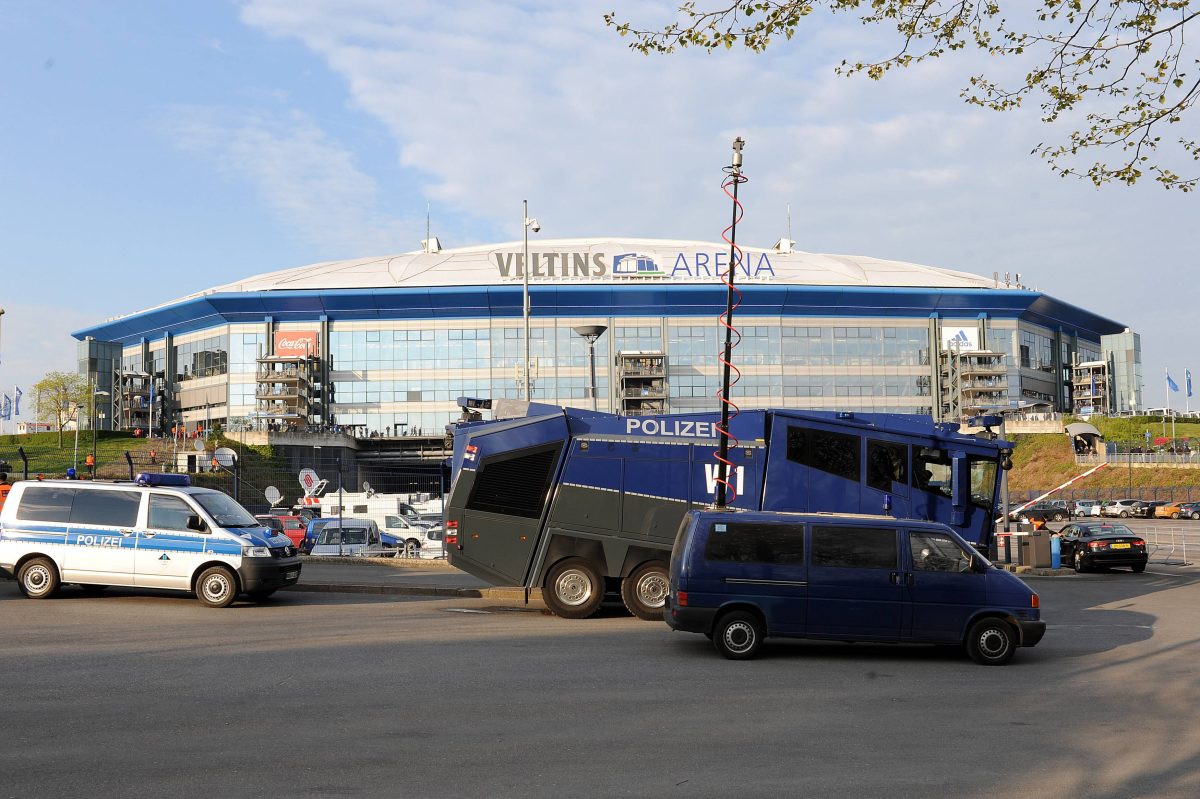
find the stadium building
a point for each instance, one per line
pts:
(384, 346)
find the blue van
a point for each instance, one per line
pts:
(739, 577)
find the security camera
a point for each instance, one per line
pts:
(535, 227)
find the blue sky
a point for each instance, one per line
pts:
(149, 150)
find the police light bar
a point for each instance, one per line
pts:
(163, 480)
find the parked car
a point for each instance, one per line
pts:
(1123, 508)
(1086, 545)
(1043, 511)
(291, 526)
(348, 537)
(1168, 510)
(1087, 507)
(1190, 510)
(1149, 510)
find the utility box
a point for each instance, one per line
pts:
(1034, 549)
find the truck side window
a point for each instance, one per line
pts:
(168, 513)
(934, 552)
(854, 547)
(46, 504)
(887, 462)
(932, 471)
(756, 543)
(516, 486)
(835, 453)
(106, 508)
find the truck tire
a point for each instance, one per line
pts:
(216, 587)
(38, 578)
(573, 589)
(644, 592)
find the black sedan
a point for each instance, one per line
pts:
(1044, 511)
(1090, 545)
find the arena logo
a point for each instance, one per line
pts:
(684, 265)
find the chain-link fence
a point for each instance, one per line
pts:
(1146, 494)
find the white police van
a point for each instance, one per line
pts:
(156, 532)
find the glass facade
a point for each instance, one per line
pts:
(402, 377)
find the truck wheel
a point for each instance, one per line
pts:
(573, 589)
(216, 587)
(738, 635)
(991, 642)
(645, 591)
(38, 578)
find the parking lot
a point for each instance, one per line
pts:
(334, 694)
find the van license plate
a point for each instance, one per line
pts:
(291, 575)
(1120, 546)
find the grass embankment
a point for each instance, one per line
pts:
(47, 458)
(1043, 461)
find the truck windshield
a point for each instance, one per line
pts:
(983, 483)
(225, 511)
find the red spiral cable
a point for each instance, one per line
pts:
(733, 178)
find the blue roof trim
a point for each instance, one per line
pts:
(473, 302)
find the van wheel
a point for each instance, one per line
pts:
(573, 589)
(216, 587)
(412, 548)
(991, 642)
(38, 578)
(645, 591)
(738, 635)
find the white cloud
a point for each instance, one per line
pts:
(309, 182)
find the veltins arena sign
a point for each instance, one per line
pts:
(681, 265)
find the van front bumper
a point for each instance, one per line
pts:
(689, 620)
(1031, 632)
(268, 574)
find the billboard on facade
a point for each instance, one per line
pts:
(962, 338)
(294, 343)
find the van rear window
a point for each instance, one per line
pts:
(854, 547)
(756, 543)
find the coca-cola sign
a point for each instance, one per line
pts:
(291, 343)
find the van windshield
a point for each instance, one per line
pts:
(225, 511)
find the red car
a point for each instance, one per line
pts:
(291, 526)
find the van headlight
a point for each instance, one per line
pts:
(256, 552)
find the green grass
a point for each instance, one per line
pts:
(1046, 460)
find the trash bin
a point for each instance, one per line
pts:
(1034, 549)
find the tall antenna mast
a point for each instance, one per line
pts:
(733, 178)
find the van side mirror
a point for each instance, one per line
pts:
(194, 522)
(977, 565)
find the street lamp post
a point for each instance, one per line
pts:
(591, 333)
(527, 224)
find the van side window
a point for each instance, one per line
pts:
(836, 453)
(935, 552)
(886, 462)
(756, 543)
(46, 504)
(854, 547)
(392, 521)
(169, 513)
(106, 508)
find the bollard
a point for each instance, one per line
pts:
(1055, 552)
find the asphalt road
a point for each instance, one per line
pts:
(132, 694)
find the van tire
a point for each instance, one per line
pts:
(644, 592)
(38, 578)
(738, 635)
(573, 589)
(991, 642)
(216, 587)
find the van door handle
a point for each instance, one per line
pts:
(127, 533)
(895, 578)
(148, 535)
(911, 578)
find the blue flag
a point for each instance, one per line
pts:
(17, 402)
(1171, 383)
(6, 411)
(1187, 377)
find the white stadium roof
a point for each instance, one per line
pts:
(594, 260)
